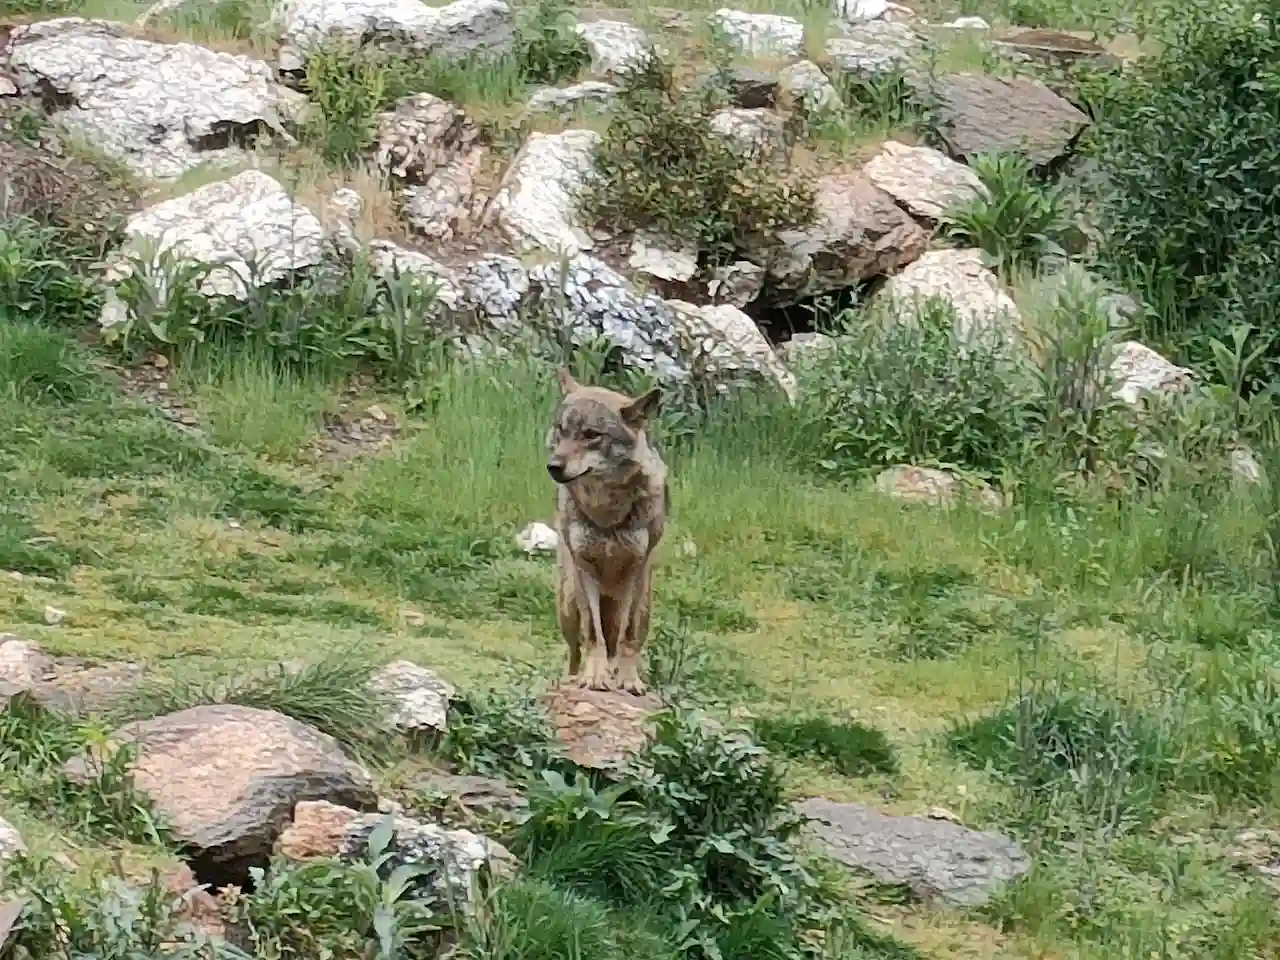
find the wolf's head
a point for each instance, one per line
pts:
(597, 432)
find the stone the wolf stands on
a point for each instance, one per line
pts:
(611, 510)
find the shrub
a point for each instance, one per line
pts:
(662, 168)
(548, 48)
(1188, 145)
(1018, 223)
(348, 91)
(850, 748)
(38, 276)
(499, 734)
(893, 392)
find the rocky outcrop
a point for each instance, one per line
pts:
(224, 779)
(616, 47)
(858, 233)
(927, 183)
(935, 858)
(962, 280)
(247, 230)
(760, 34)
(725, 347)
(456, 30)
(984, 114)
(536, 204)
(161, 109)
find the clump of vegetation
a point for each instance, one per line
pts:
(662, 168)
(1019, 222)
(850, 748)
(548, 48)
(914, 392)
(1187, 147)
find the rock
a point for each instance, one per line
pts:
(536, 203)
(1138, 372)
(417, 698)
(875, 49)
(22, 663)
(651, 256)
(751, 89)
(805, 87)
(494, 288)
(736, 284)
(454, 859)
(161, 109)
(804, 348)
(197, 910)
(760, 34)
(616, 47)
(538, 538)
(246, 229)
(343, 211)
(757, 132)
(474, 796)
(979, 113)
(858, 233)
(420, 134)
(857, 11)
(926, 182)
(585, 300)
(388, 260)
(1055, 48)
(11, 842)
(455, 31)
(589, 94)
(1244, 465)
(961, 279)
(225, 778)
(936, 488)
(316, 830)
(968, 23)
(7, 87)
(728, 347)
(449, 203)
(599, 729)
(54, 615)
(935, 858)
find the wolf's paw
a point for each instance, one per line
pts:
(629, 678)
(596, 674)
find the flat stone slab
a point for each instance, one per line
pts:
(983, 114)
(935, 858)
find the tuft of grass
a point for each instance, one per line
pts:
(42, 365)
(331, 694)
(850, 748)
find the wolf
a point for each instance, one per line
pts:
(611, 511)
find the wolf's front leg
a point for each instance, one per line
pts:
(596, 674)
(634, 630)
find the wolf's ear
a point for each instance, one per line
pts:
(567, 384)
(638, 411)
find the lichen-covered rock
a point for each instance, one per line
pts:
(536, 203)
(388, 261)
(1138, 371)
(736, 284)
(247, 229)
(417, 699)
(806, 348)
(663, 260)
(760, 34)
(588, 94)
(11, 842)
(926, 182)
(225, 779)
(934, 487)
(616, 47)
(935, 858)
(457, 30)
(983, 114)
(805, 87)
(959, 278)
(587, 300)
(858, 232)
(450, 201)
(754, 132)
(494, 288)
(726, 346)
(161, 109)
(875, 49)
(419, 134)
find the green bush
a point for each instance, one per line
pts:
(662, 168)
(1020, 221)
(548, 48)
(893, 392)
(1188, 149)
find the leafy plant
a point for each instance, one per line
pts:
(916, 392)
(1187, 149)
(496, 734)
(548, 48)
(348, 91)
(662, 168)
(1019, 221)
(39, 280)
